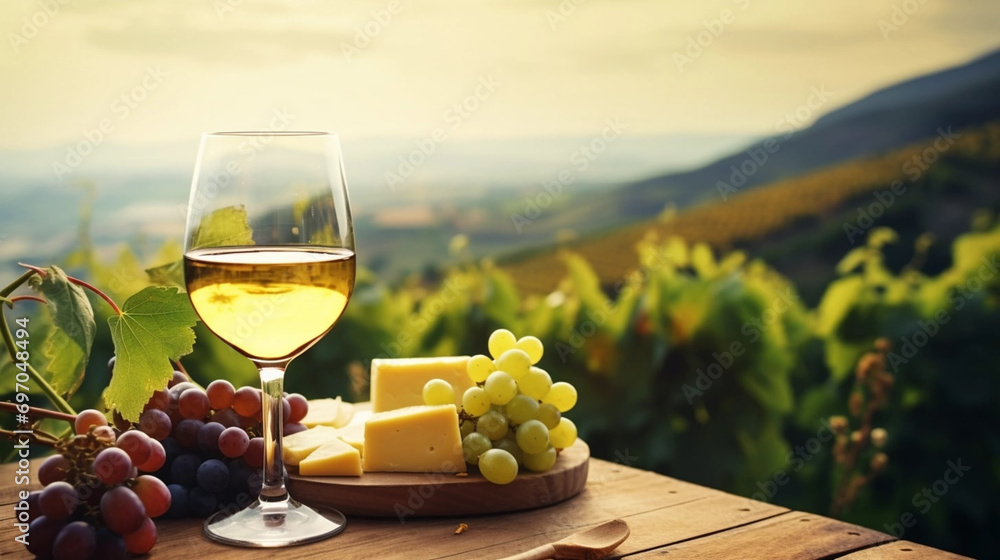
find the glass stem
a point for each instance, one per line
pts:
(272, 382)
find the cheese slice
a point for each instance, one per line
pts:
(354, 432)
(414, 439)
(397, 383)
(328, 412)
(297, 447)
(335, 458)
(344, 414)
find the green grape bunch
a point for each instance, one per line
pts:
(513, 416)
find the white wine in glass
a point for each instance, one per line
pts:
(269, 266)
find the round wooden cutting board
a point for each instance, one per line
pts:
(408, 495)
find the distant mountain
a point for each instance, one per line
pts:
(899, 115)
(803, 226)
(141, 190)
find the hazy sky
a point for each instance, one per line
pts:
(555, 67)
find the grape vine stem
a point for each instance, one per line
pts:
(41, 272)
(8, 340)
(36, 436)
(40, 412)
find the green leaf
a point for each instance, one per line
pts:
(841, 357)
(882, 236)
(73, 316)
(155, 327)
(769, 389)
(223, 228)
(171, 274)
(840, 297)
(853, 259)
(66, 362)
(703, 261)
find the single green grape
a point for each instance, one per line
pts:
(480, 367)
(475, 401)
(509, 444)
(521, 408)
(564, 434)
(473, 446)
(498, 466)
(532, 436)
(562, 395)
(500, 341)
(532, 347)
(438, 391)
(492, 425)
(466, 428)
(535, 384)
(500, 387)
(548, 415)
(515, 362)
(540, 462)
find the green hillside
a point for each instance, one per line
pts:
(797, 215)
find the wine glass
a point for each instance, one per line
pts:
(269, 266)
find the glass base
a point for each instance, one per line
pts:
(274, 524)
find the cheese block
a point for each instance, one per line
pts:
(328, 412)
(414, 439)
(397, 383)
(296, 447)
(335, 458)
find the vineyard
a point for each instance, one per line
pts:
(699, 363)
(745, 217)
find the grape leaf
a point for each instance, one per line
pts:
(171, 274)
(223, 227)
(66, 362)
(155, 327)
(68, 347)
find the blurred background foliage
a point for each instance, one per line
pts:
(706, 367)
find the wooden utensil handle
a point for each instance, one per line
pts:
(540, 553)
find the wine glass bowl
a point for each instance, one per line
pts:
(269, 266)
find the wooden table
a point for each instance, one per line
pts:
(668, 518)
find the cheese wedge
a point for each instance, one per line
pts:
(328, 412)
(414, 439)
(354, 432)
(335, 458)
(397, 383)
(297, 447)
